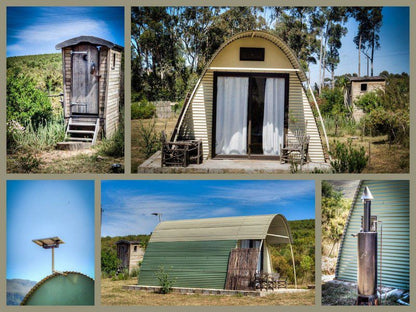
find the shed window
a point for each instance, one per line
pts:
(363, 87)
(113, 61)
(135, 248)
(251, 54)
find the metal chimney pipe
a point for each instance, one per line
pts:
(367, 256)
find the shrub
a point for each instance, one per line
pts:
(109, 261)
(142, 110)
(113, 147)
(25, 103)
(394, 124)
(28, 138)
(165, 282)
(28, 163)
(368, 102)
(150, 140)
(348, 159)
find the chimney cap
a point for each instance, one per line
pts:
(367, 196)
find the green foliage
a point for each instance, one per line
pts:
(368, 102)
(110, 242)
(109, 260)
(25, 102)
(114, 147)
(303, 234)
(28, 163)
(150, 139)
(165, 282)
(142, 110)
(43, 138)
(121, 276)
(334, 212)
(348, 159)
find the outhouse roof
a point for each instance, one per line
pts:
(274, 228)
(365, 78)
(88, 39)
(124, 241)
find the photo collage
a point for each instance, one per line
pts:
(179, 157)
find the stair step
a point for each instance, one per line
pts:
(79, 139)
(89, 124)
(81, 131)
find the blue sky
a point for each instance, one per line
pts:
(36, 30)
(46, 208)
(393, 54)
(128, 205)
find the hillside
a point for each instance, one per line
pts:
(17, 290)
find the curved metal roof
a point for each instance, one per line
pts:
(274, 228)
(88, 39)
(268, 36)
(66, 288)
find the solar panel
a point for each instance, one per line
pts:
(51, 242)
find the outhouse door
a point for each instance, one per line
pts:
(84, 98)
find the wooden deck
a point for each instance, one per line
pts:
(216, 166)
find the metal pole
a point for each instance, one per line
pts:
(53, 259)
(294, 267)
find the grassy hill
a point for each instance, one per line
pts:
(17, 290)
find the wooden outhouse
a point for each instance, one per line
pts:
(92, 87)
(391, 206)
(130, 254)
(249, 101)
(213, 252)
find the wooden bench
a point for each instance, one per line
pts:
(297, 147)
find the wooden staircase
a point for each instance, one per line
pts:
(82, 130)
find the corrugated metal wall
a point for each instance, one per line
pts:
(200, 264)
(391, 206)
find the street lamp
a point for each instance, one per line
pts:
(157, 214)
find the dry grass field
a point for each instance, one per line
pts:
(137, 154)
(113, 294)
(55, 161)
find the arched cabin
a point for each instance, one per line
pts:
(249, 101)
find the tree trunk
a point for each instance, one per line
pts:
(372, 54)
(320, 64)
(359, 58)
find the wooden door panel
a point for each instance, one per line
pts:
(242, 266)
(84, 98)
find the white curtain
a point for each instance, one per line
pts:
(231, 126)
(273, 121)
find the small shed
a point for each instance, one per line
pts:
(391, 206)
(360, 86)
(130, 254)
(249, 101)
(92, 87)
(197, 253)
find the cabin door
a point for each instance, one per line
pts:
(84, 99)
(250, 115)
(242, 266)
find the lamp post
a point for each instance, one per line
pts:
(157, 214)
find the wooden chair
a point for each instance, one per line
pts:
(298, 146)
(281, 282)
(180, 153)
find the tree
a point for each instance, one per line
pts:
(370, 20)
(109, 261)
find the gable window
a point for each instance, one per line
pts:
(135, 248)
(251, 54)
(363, 87)
(113, 61)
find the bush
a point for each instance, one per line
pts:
(28, 163)
(165, 282)
(109, 261)
(368, 102)
(25, 103)
(332, 99)
(142, 110)
(28, 138)
(121, 276)
(394, 124)
(150, 140)
(113, 147)
(348, 159)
